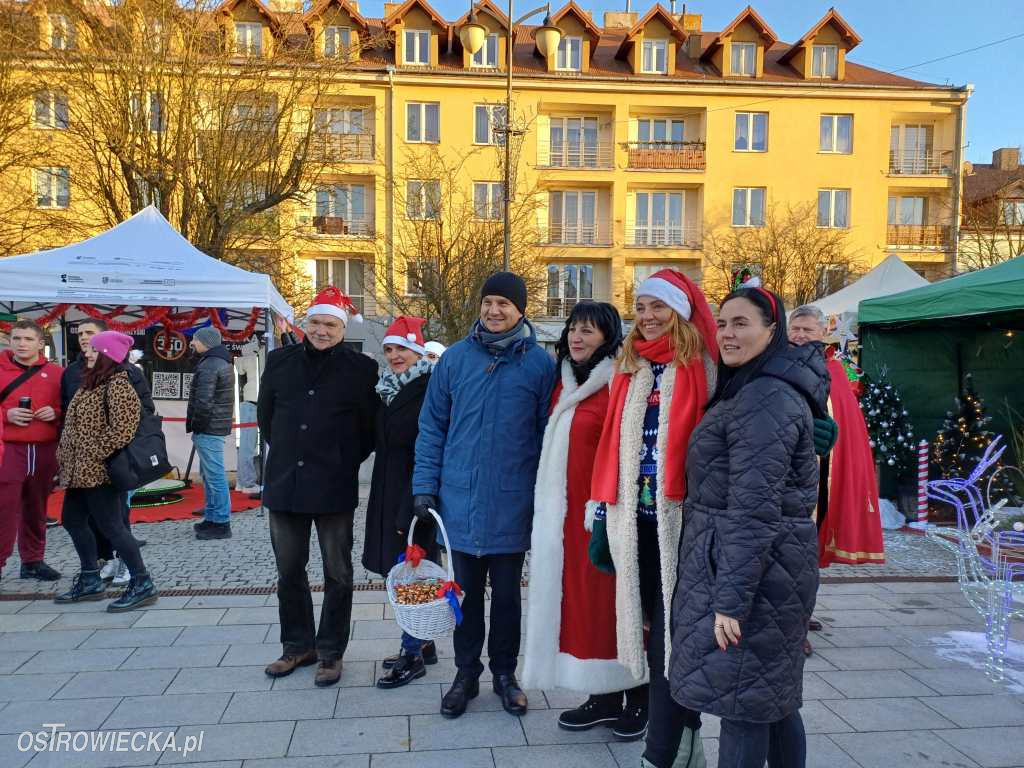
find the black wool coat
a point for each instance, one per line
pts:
(389, 509)
(750, 546)
(211, 396)
(317, 413)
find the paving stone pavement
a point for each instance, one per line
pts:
(177, 561)
(897, 679)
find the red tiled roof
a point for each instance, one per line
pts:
(851, 38)
(987, 182)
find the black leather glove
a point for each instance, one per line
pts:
(599, 552)
(826, 433)
(422, 504)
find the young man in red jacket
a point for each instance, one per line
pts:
(30, 408)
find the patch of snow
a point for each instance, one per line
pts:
(971, 648)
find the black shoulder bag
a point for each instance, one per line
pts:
(144, 459)
(24, 376)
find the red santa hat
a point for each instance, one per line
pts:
(331, 301)
(669, 286)
(406, 331)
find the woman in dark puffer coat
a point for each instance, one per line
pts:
(748, 559)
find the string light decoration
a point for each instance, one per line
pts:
(890, 432)
(964, 439)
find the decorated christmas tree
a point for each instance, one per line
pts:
(891, 434)
(962, 441)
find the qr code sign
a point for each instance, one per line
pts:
(166, 386)
(186, 385)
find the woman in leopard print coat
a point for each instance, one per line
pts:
(102, 419)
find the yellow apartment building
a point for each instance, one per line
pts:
(644, 134)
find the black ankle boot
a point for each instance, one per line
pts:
(602, 709)
(141, 591)
(428, 651)
(409, 667)
(87, 586)
(464, 688)
(513, 698)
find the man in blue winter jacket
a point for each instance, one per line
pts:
(479, 442)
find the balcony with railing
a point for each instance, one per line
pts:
(665, 155)
(596, 233)
(336, 148)
(937, 162)
(689, 236)
(341, 226)
(562, 307)
(597, 155)
(918, 235)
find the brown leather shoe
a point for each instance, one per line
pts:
(288, 663)
(328, 673)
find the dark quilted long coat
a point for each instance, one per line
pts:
(750, 546)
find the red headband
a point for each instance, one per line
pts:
(771, 300)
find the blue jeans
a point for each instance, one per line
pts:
(412, 646)
(215, 479)
(247, 438)
(747, 745)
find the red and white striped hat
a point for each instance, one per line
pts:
(669, 286)
(331, 301)
(406, 331)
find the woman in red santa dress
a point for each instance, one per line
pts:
(570, 638)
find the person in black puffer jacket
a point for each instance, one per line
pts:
(211, 404)
(748, 559)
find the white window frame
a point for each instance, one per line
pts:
(658, 234)
(1011, 212)
(348, 268)
(417, 199)
(583, 233)
(337, 41)
(825, 61)
(416, 48)
(652, 124)
(339, 205)
(828, 140)
(652, 49)
(569, 49)
(751, 120)
(746, 54)
(62, 33)
(248, 39)
(52, 178)
(900, 205)
(562, 272)
(488, 200)
(492, 114)
(153, 118)
(831, 218)
(583, 154)
(749, 194)
(487, 56)
(56, 102)
(422, 109)
(327, 119)
(414, 270)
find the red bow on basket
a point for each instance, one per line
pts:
(449, 585)
(414, 554)
(450, 591)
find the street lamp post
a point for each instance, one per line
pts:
(473, 36)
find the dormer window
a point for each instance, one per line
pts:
(417, 46)
(248, 38)
(744, 59)
(337, 41)
(825, 61)
(655, 57)
(62, 33)
(487, 57)
(570, 54)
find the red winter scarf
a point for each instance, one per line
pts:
(689, 395)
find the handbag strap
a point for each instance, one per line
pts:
(25, 375)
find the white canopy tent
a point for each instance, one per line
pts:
(891, 276)
(142, 261)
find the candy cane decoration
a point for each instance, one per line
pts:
(922, 486)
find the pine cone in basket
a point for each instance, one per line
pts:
(417, 592)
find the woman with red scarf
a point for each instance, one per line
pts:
(665, 374)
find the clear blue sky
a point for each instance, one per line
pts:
(897, 34)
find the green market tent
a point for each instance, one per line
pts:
(929, 338)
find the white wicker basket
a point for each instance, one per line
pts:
(426, 621)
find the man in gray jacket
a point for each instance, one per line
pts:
(211, 401)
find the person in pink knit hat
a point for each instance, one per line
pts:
(102, 418)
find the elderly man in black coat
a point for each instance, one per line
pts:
(317, 408)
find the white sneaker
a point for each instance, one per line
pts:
(251, 489)
(109, 569)
(122, 577)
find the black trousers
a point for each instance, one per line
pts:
(747, 745)
(506, 573)
(289, 536)
(103, 508)
(104, 549)
(665, 718)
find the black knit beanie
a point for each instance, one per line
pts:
(509, 285)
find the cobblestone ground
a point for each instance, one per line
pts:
(178, 561)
